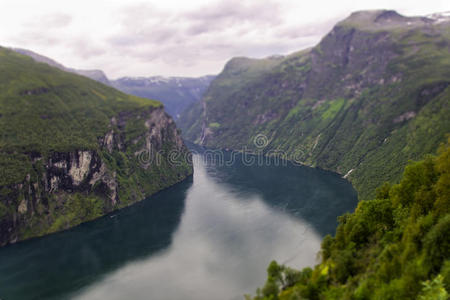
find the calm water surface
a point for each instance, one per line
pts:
(209, 237)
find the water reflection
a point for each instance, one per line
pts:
(313, 195)
(229, 233)
(51, 267)
(210, 238)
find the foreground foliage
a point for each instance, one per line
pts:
(396, 246)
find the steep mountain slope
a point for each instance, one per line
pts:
(176, 93)
(72, 149)
(96, 75)
(396, 246)
(371, 95)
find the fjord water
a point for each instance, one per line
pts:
(209, 237)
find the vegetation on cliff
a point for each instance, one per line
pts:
(373, 94)
(72, 149)
(395, 246)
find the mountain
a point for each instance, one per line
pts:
(176, 93)
(393, 247)
(73, 149)
(373, 94)
(96, 75)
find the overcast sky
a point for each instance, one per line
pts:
(168, 37)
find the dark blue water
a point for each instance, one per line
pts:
(209, 237)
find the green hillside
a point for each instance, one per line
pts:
(373, 94)
(396, 246)
(70, 146)
(44, 109)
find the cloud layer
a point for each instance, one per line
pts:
(128, 38)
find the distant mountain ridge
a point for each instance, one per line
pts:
(97, 75)
(176, 93)
(374, 93)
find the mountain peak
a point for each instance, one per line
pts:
(390, 19)
(376, 15)
(97, 75)
(440, 17)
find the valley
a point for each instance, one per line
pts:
(323, 173)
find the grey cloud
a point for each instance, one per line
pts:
(233, 11)
(194, 31)
(215, 32)
(50, 21)
(143, 25)
(306, 30)
(155, 35)
(210, 35)
(153, 25)
(220, 16)
(133, 14)
(85, 49)
(35, 37)
(43, 30)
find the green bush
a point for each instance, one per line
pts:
(387, 247)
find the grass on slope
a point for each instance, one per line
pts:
(43, 109)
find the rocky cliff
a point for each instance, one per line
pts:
(73, 150)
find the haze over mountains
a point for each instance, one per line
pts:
(176, 93)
